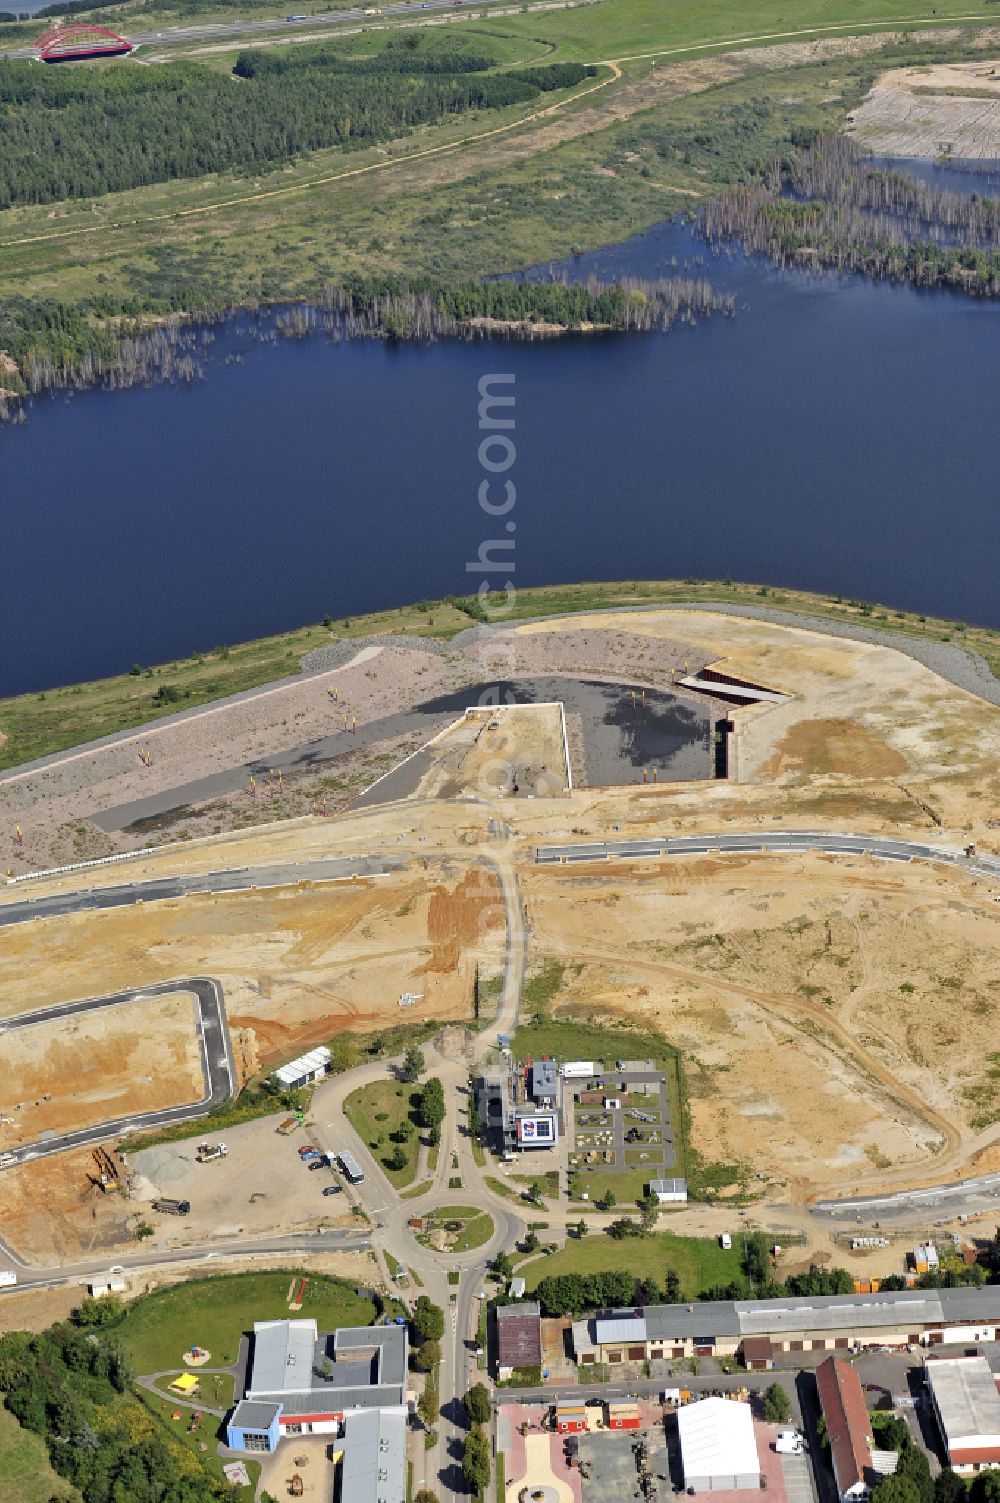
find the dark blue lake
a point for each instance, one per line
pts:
(835, 435)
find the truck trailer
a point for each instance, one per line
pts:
(172, 1207)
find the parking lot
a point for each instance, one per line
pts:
(261, 1185)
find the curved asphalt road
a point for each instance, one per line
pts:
(218, 1068)
(156, 889)
(878, 846)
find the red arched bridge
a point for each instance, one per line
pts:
(80, 40)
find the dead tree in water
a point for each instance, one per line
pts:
(831, 209)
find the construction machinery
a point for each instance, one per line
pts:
(108, 1174)
(172, 1207)
(207, 1153)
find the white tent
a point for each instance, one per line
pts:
(718, 1446)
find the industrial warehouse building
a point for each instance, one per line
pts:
(967, 1407)
(857, 1465)
(814, 1323)
(301, 1382)
(304, 1070)
(718, 1446)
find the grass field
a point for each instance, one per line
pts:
(618, 27)
(626, 1185)
(699, 1262)
(375, 1112)
(215, 1389)
(39, 724)
(25, 1474)
(466, 1227)
(547, 1182)
(214, 1313)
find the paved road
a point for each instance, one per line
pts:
(881, 847)
(157, 889)
(30, 1277)
(981, 1186)
(439, 1468)
(218, 1068)
(236, 30)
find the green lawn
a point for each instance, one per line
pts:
(574, 1038)
(25, 1474)
(215, 1312)
(618, 27)
(699, 1262)
(375, 1112)
(627, 1185)
(476, 1227)
(547, 1182)
(415, 1191)
(215, 1390)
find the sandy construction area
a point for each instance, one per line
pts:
(80, 1071)
(858, 717)
(944, 109)
(834, 1017)
(297, 965)
(52, 1211)
(487, 748)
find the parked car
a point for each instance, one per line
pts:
(332, 1190)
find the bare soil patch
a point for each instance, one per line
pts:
(834, 746)
(945, 109)
(84, 1070)
(297, 965)
(834, 1018)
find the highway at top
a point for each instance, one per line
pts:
(234, 30)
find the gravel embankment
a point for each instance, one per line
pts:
(959, 665)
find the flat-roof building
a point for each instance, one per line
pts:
(718, 1446)
(373, 1460)
(305, 1069)
(543, 1084)
(301, 1382)
(967, 1406)
(669, 1190)
(495, 1105)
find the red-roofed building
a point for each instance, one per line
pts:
(519, 1338)
(846, 1414)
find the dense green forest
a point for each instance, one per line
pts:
(259, 63)
(76, 133)
(72, 1386)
